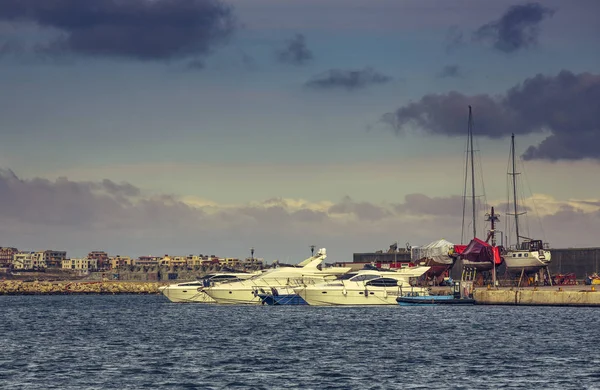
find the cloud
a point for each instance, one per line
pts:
(138, 29)
(517, 28)
(362, 210)
(295, 52)
(348, 79)
(120, 218)
(450, 71)
(565, 105)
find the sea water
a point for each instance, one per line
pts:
(135, 342)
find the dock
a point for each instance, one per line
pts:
(576, 295)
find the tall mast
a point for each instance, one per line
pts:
(514, 179)
(472, 172)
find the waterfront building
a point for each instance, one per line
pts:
(28, 261)
(102, 258)
(7, 256)
(53, 259)
(83, 264)
(194, 260)
(120, 261)
(149, 261)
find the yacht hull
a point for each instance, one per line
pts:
(234, 296)
(370, 296)
(186, 295)
(527, 264)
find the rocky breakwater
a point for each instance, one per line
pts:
(10, 287)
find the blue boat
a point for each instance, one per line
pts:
(433, 300)
(458, 297)
(274, 297)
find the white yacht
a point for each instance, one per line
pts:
(364, 287)
(247, 291)
(528, 255)
(193, 291)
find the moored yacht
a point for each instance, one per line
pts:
(364, 287)
(194, 291)
(528, 255)
(247, 291)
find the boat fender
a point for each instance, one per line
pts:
(385, 293)
(366, 292)
(344, 292)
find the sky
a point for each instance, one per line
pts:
(152, 127)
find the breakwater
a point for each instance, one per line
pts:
(543, 296)
(15, 287)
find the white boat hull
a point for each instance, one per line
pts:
(528, 261)
(234, 295)
(336, 296)
(191, 294)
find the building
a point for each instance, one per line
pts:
(120, 261)
(392, 256)
(102, 258)
(7, 256)
(53, 258)
(149, 261)
(84, 264)
(31, 261)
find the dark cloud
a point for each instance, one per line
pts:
(348, 79)
(363, 210)
(517, 29)
(140, 29)
(565, 105)
(450, 71)
(295, 52)
(84, 205)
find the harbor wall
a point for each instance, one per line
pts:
(561, 296)
(580, 261)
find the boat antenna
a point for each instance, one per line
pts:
(514, 179)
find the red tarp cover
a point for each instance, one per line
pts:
(458, 249)
(479, 251)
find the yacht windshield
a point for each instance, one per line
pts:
(359, 278)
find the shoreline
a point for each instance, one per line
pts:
(16, 287)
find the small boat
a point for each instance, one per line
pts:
(408, 300)
(458, 297)
(280, 296)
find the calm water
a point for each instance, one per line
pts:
(131, 342)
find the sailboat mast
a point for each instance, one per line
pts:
(514, 178)
(472, 172)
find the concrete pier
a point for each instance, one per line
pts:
(539, 296)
